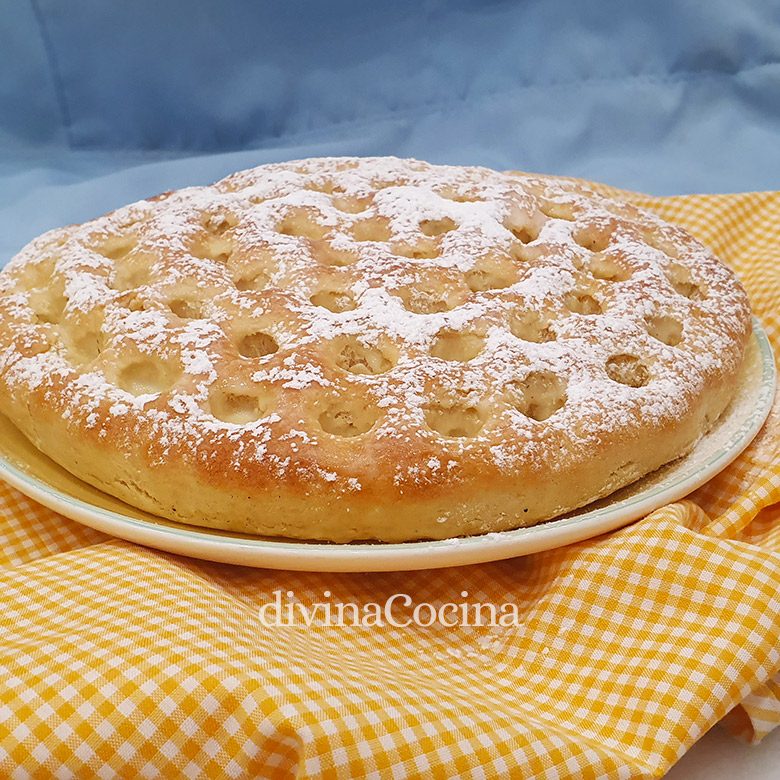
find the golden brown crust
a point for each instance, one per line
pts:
(373, 348)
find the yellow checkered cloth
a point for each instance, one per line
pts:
(118, 661)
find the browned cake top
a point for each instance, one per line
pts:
(292, 315)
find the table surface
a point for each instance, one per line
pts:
(718, 756)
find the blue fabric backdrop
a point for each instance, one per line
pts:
(105, 102)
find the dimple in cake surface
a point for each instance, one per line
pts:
(368, 348)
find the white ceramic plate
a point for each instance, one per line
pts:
(40, 478)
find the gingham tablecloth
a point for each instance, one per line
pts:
(120, 661)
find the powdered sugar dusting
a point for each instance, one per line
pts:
(438, 306)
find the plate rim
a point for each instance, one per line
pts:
(299, 555)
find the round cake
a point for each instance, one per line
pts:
(349, 349)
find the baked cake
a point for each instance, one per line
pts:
(346, 349)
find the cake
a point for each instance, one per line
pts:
(346, 349)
